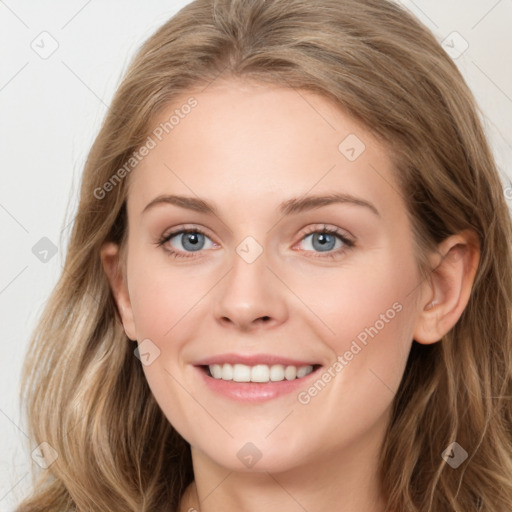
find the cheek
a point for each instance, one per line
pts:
(350, 300)
(161, 296)
(163, 304)
(366, 314)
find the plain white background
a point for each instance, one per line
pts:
(52, 106)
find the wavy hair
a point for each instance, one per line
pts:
(85, 393)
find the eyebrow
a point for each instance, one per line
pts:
(288, 207)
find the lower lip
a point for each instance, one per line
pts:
(255, 391)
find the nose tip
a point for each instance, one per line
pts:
(245, 323)
(250, 297)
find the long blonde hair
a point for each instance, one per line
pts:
(85, 391)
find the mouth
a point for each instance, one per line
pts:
(259, 373)
(255, 378)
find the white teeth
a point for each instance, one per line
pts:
(241, 373)
(226, 372)
(277, 372)
(259, 372)
(302, 372)
(290, 373)
(216, 371)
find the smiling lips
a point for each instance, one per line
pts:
(255, 368)
(254, 378)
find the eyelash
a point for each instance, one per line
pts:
(348, 244)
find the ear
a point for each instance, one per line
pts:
(451, 281)
(110, 258)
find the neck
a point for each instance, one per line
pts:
(347, 478)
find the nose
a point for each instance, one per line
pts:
(251, 296)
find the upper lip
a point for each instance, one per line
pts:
(252, 360)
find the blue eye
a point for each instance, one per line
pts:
(324, 241)
(193, 240)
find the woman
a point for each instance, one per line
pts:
(292, 210)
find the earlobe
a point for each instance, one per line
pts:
(448, 292)
(110, 258)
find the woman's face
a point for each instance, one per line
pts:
(259, 282)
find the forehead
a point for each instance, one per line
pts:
(241, 141)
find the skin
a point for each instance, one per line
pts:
(246, 148)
